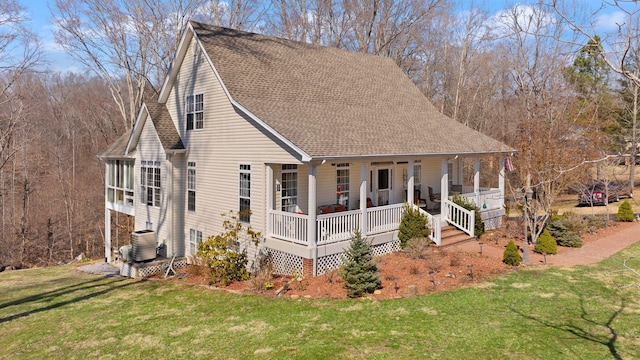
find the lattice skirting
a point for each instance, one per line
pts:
(141, 270)
(334, 261)
(285, 263)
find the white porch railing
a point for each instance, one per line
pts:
(337, 227)
(435, 226)
(490, 197)
(459, 217)
(383, 218)
(288, 226)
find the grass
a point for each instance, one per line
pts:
(538, 313)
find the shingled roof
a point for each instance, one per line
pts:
(166, 129)
(331, 102)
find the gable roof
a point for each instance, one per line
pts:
(164, 126)
(333, 103)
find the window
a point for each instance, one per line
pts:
(120, 182)
(150, 183)
(191, 186)
(289, 193)
(195, 111)
(195, 237)
(417, 174)
(342, 185)
(245, 193)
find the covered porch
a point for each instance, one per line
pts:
(322, 220)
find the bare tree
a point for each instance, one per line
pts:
(129, 44)
(235, 14)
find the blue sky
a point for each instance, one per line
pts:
(38, 12)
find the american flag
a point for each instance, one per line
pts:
(508, 165)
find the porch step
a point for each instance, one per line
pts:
(451, 235)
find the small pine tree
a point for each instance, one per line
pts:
(546, 243)
(360, 272)
(511, 255)
(625, 212)
(412, 225)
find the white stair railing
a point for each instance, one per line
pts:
(434, 225)
(459, 217)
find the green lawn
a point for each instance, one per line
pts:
(550, 313)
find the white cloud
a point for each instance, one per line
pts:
(609, 22)
(527, 17)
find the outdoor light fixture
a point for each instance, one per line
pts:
(480, 243)
(470, 267)
(433, 277)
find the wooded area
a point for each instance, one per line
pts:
(536, 76)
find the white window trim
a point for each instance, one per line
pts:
(191, 184)
(146, 184)
(244, 169)
(120, 182)
(292, 170)
(196, 110)
(341, 191)
(195, 237)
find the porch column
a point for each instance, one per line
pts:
(311, 223)
(501, 179)
(476, 180)
(410, 187)
(363, 198)
(107, 234)
(269, 196)
(444, 181)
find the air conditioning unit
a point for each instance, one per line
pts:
(143, 245)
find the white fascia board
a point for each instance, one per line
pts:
(181, 52)
(143, 114)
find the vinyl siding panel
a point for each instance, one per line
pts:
(228, 139)
(150, 149)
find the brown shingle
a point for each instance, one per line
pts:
(166, 130)
(118, 148)
(331, 102)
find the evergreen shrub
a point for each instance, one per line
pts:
(625, 212)
(562, 235)
(511, 255)
(546, 244)
(360, 272)
(412, 225)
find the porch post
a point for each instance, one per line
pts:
(476, 179)
(107, 235)
(269, 195)
(363, 198)
(444, 181)
(311, 223)
(501, 179)
(410, 187)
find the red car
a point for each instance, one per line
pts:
(596, 193)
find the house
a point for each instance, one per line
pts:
(317, 142)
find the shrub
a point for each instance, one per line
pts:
(479, 226)
(412, 225)
(595, 221)
(562, 235)
(360, 272)
(417, 248)
(573, 222)
(511, 255)
(546, 244)
(625, 212)
(222, 252)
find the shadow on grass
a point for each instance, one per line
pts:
(53, 294)
(583, 331)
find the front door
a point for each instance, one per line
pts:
(383, 186)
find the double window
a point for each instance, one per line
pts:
(195, 111)
(342, 185)
(245, 193)
(191, 186)
(150, 183)
(289, 195)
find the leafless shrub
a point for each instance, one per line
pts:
(417, 248)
